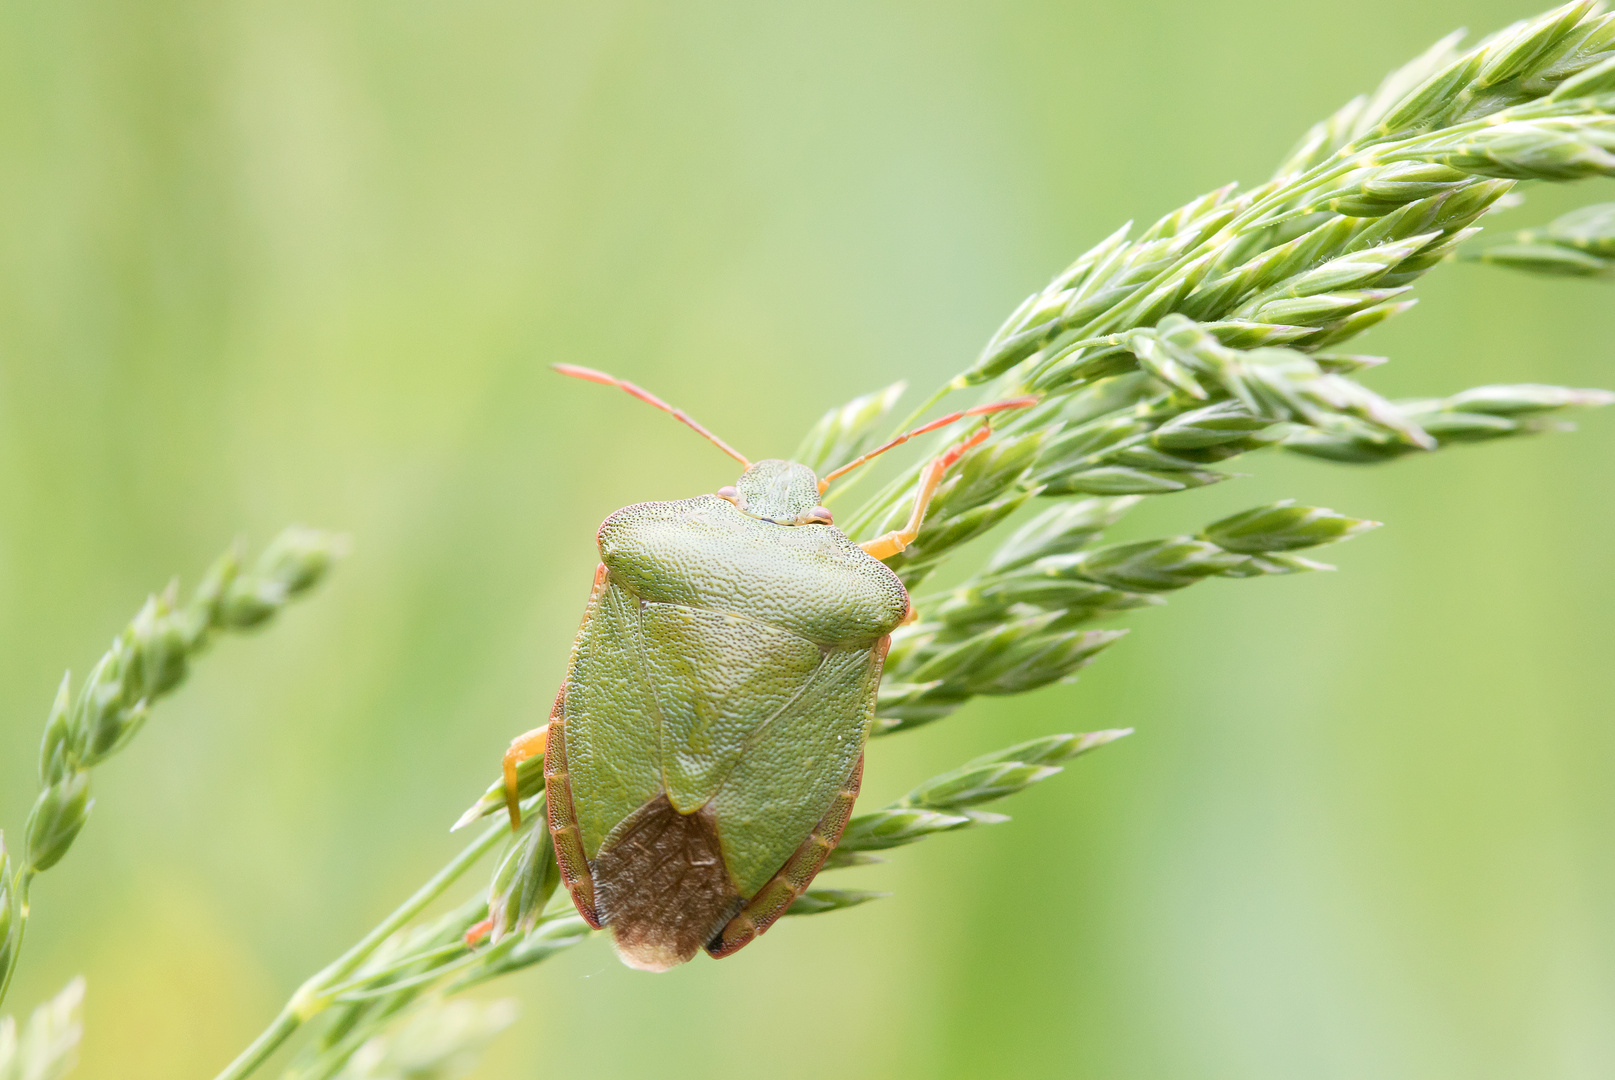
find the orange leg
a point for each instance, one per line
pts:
(478, 932)
(884, 547)
(522, 747)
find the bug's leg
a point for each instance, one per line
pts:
(884, 547)
(527, 745)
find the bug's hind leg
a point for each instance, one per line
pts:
(526, 745)
(884, 547)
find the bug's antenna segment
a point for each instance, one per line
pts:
(651, 399)
(944, 421)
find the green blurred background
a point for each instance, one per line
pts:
(273, 262)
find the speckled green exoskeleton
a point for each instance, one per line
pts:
(706, 746)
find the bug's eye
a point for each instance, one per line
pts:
(819, 515)
(728, 494)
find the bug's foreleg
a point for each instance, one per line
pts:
(527, 745)
(884, 547)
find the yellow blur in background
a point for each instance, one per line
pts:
(275, 262)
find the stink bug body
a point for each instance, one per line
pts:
(705, 749)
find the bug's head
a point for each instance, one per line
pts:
(785, 492)
(779, 491)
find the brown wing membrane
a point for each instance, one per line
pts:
(661, 885)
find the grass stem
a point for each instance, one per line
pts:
(317, 994)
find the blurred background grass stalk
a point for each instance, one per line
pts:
(146, 662)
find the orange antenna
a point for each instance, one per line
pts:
(979, 410)
(651, 399)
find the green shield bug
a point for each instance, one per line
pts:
(706, 745)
